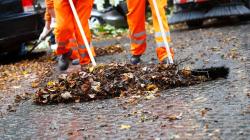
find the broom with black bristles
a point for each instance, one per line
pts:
(212, 73)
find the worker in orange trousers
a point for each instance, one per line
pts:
(69, 40)
(136, 22)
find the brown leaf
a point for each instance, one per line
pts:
(174, 117)
(35, 84)
(204, 111)
(86, 86)
(151, 87)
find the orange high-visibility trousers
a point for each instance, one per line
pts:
(136, 22)
(67, 34)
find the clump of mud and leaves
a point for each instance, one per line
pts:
(109, 50)
(114, 80)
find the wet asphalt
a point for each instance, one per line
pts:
(214, 110)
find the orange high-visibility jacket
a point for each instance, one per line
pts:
(136, 22)
(67, 34)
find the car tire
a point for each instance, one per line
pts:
(247, 2)
(194, 23)
(94, 21)
(19, 50)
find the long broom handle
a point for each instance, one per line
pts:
(82, 32)
(163, 32)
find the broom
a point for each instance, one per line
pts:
(39, 41)
(212, 73)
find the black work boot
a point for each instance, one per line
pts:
(135, 59)
(63, 62)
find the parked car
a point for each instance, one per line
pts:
(194, 12)
(20, 21)
(115, 16)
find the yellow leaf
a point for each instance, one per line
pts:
(125, 126)
(35, 84)
(25, 72)
(50, 83)
(151, 87)
(91, 69)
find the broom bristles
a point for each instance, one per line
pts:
(212, 73)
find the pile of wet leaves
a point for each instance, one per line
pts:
(30, 67)
(109, 50)
(114, 80)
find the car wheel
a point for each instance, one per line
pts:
(194, 23)
(20, 50)
(247, 2)
(95, 21)
(244, 18)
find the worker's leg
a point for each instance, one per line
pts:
(83, 8)
(161, 50)
(65, 27)
(136, 22)
(64, 33)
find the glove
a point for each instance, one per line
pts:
(53, 23)
(44, 33)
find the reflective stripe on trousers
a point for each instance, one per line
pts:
(64, 43)
(138, 38)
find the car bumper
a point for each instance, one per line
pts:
(19, 28)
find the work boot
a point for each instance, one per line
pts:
(75, 62)
(135, 59)
(63, 62)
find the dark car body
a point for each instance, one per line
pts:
(17, 25)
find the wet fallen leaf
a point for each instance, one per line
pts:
(96, 86)
(109, 50)
(125, 126)
(51, 83)
(25, 72)
(186, 73)
(204, 111)
(16, 87)
(174, 117)
(66, 95)
(91, 69)
(150, 97)
(248, 95)
(35, 84)
(151, 87)
(21, 97)
(11, 108)
(86, 86)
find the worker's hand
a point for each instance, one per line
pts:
(45, 31)
(53, 23)
(43, 34)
